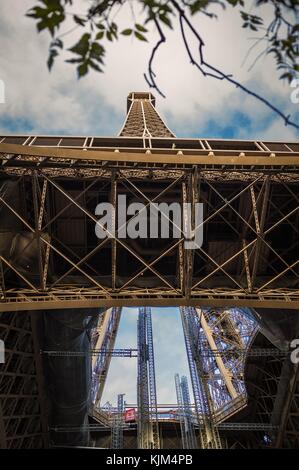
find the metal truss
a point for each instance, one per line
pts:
(103, 339)
(23, 411)
(209, 435)
(247, 427)
(252, 200)
(89, 427)
(213, 341)
(221, 340)
(226, 331)
(129, 352)
(148, 427)
(143, 119)
(185, 413)
(255, 352)
(51, 259)
(289, 434)
(117, 436)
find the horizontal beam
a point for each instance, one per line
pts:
(129, 352)
(200, 157)
(78, 302)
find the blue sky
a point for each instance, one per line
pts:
(57, 103)
(170, 356)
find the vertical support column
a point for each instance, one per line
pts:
(117, 437)
(259, 227)
(189, 424)
(209, 435)
(2, 281)
(144, 437)
(3, 444)
(182, 251)
(35, 188)
(185, 413)
(191, 197)
(180, 410)
(223, 370)
(148, 430)
(152, 381)
(113, 240)
(40, 376)
(107, 331)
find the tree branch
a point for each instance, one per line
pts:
(151, 78)
(206, 69)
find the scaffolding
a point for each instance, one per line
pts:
(185, 413)
(117, 429)
(209, 435)
(226, 333)
(148, 427)
(217, 341)
(103, 339)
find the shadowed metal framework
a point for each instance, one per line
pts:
(50, 257)
(23, 411)
(50, 186)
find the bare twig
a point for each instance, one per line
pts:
(151, 78)
(206, 69)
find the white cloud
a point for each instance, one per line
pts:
(58, 102)
(170, 356)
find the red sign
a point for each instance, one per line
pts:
(130, 415)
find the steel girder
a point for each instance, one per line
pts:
(249, 266)
(23, 407)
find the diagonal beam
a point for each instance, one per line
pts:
(111, 235)
(266, 232)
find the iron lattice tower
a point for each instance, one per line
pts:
(103, 339)
(117, 435)
(216, 343)
(142, 118)
(49, 188)
(209, 435)
(148, 427)
(251, 214)
(185, 412)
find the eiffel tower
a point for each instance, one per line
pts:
(62, 288)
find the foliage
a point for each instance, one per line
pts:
(280, 34)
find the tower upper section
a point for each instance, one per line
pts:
(142, 118)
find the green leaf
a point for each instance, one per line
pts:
(52, 54)
(166, 20)
(79, 21)
(95, 66)
(234, 2)
(97, 51)
(74, 61)
(82, 46)
(140, 36)
(127, 32)
(100, 35)
(37, 12)
(82, 69)
(141, 28)
(197, 6)
(57, 43)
